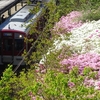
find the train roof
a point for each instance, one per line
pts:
(20, 19)
(22, 15)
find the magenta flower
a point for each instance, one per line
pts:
(89, 82)
(82, 61)
(71, 84)
(67, 23)
(97, 30)
(97, 85)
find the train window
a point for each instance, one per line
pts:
(8, 44)
(7, 34)
(18, 36)
(19, 44)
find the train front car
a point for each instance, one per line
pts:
(12, 33)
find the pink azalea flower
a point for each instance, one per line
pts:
(98, 35)
(89, 82)
(67, 23)
(71, 84)
(82, 61)
(91, 36)
(97, 85)
(99, 73)
(97, 30)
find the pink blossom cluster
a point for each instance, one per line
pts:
(71, 84)
(82, 61)
(92, 83)
(67, 23)
(41, 69)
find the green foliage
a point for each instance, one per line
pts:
(90, 15)
(51, 85)
(90, 8)
(87, 70)
(42, 42)
(5, 89)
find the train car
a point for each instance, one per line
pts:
(12, 33)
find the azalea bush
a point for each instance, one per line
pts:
(83, 42)
(82, 39)
(67, 23)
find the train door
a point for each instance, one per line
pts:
(7, 48)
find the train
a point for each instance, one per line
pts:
(13, 32)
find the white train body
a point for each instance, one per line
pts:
(12, 33)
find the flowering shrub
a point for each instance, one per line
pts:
(83, 60)
(86, 38)
(67, 23)
(83, 42)
(83, 39)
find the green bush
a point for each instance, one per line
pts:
(52, 84)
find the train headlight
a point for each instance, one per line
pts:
(20, 36)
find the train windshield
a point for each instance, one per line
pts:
(7, 43)
(11, 43)
(19, 44)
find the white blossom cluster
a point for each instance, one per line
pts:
(83, 39)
